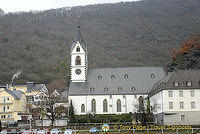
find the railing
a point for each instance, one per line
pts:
(4, 112)
(6, 102)
(7, 119)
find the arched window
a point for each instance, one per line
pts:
(119, 105)
(82, 108)
(93, 105)
(105, 106)
(78, 60)
(77, 49)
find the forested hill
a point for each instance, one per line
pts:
(124, 34)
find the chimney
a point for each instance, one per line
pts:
(7, 86)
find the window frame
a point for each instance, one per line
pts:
(180, 93)
(82, 108)
(171, 105)
(119, 105)
(192, 94)
(192, 104)
(105, 105)
(78, 49)
(93, 106)
(78, 60)
(170, 93)
(181, 105)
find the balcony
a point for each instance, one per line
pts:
(6, 112)
(7, 119)
(6, 102)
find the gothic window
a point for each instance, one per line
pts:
(119, 105)
(77, 49)
(82, 108)
(105, 106)
(78, 60)
(93, 105)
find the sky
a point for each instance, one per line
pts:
(27, 5)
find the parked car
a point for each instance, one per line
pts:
(41, 132)
(26, 132)
(68, 131)
(13, 124)
(14, 131)
(55, 131)
(93, 130)
(3, 132)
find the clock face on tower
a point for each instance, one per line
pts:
(78, 71)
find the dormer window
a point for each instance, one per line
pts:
(99, 77)
(106, 89)
(176, 84)
(112, 77)
(91, 89)
(119, 89)
(126, 76)
(189, 83)
(133, 89)
(152, 75)
(77, 49)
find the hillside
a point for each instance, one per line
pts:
(123, 34)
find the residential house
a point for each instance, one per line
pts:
(12, 103)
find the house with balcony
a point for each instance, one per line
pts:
(12, 103)
(31, 91)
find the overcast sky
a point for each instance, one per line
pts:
(27, 5)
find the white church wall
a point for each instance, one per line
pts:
(128, 103)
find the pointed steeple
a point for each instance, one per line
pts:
(78, 38)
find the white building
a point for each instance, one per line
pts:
(177, 98)
(107, 90)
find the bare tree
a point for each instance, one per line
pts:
(144, 112)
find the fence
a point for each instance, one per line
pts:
(115, 131)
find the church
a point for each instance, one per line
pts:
(107, 90)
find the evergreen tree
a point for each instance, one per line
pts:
(72, 118)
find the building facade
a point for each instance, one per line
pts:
(176, 98)
(12, 103)
(107, 90)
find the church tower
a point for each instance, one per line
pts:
(79, 63)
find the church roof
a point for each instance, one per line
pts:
(127, 80)
(79, 39)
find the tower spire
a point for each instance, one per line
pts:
(78, 23)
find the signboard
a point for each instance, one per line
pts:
(105, 127)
